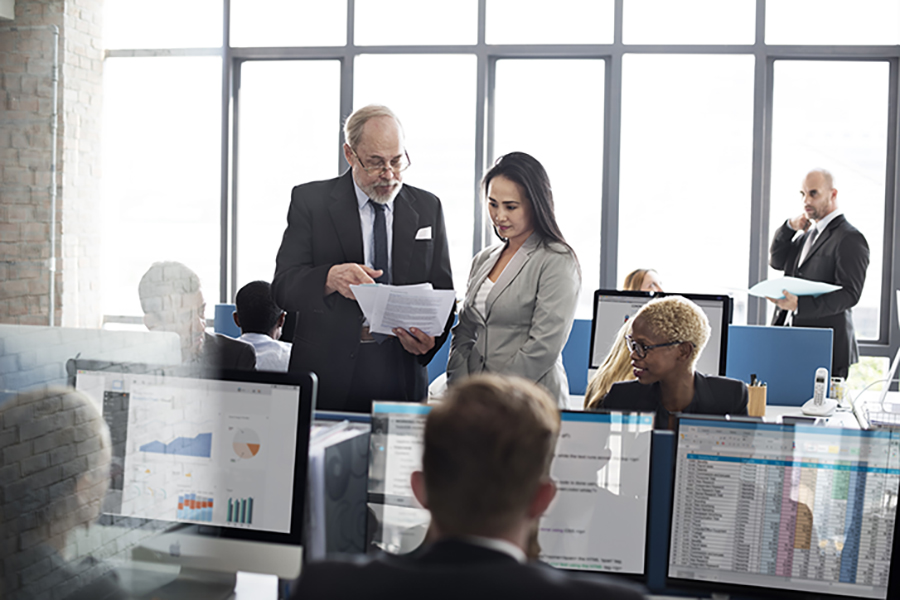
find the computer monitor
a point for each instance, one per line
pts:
(790, 509)
(596, 523)
(223, 451)
(612, 308)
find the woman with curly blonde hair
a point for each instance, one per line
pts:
(667, 336)
(617, 364)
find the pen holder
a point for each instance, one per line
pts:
(757, 404)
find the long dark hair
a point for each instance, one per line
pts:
(530, 174)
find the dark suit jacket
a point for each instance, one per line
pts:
(712, 396)
(223, 352)
(452, 569)
(324, 230)
(840, 255)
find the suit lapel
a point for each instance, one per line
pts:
(480, 275)
(512, 270)
(345, 217)
(406, 223)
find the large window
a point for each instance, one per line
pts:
(161, 172)
(539, 120)
(675, 132)
(840, 124)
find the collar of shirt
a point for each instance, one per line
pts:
(497, 545)
(821, 224)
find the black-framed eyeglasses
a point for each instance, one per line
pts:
(641, 350)
(397, 165)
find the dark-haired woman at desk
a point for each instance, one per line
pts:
(667, 336)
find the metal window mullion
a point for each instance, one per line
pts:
(612, 145)
(484, 127)
(224, 204)
(759, 184)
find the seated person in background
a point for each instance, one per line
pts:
(46, 501)
(643, 280)
(667, 336)
(486, 480)
(261, 322)
(172, 300)
(617, 364)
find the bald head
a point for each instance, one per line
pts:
(819, 195)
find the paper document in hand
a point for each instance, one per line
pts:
(404, 306)
(773, 288)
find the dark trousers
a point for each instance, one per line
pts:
(385, 372)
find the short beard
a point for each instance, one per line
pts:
(381, 198)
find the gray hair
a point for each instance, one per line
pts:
(354, 124)
(165, 279)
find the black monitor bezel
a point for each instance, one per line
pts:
(681, 584)
(308, 384)
(727, 316)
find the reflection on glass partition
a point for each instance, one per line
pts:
(800, 508)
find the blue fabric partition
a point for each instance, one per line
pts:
(785, 358)
(575, 356)
(225, 321)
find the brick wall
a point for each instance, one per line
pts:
(26, 59)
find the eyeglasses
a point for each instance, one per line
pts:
(397, 165)
(640, 349)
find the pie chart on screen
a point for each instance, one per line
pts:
(246, 443)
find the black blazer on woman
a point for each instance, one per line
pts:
(712, 396)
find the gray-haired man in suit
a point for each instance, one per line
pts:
(829, 250)
(361, 227)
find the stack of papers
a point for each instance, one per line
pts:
(405, 306)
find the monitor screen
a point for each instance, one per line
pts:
(598, 520)
(612, 308)
(226, 449)
(794, 508)
(601, 467)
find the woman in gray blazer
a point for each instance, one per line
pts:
(521, 295)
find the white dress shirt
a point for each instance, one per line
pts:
(271, 355)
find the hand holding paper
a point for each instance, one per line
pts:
(405, 306)
(774, 288)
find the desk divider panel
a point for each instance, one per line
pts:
(785, 358)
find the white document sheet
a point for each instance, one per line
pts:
(773, 288)
(405, 306)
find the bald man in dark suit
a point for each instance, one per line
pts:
(829, 250)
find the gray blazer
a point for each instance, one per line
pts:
(529, 315)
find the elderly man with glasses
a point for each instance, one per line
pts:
(363, 227)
